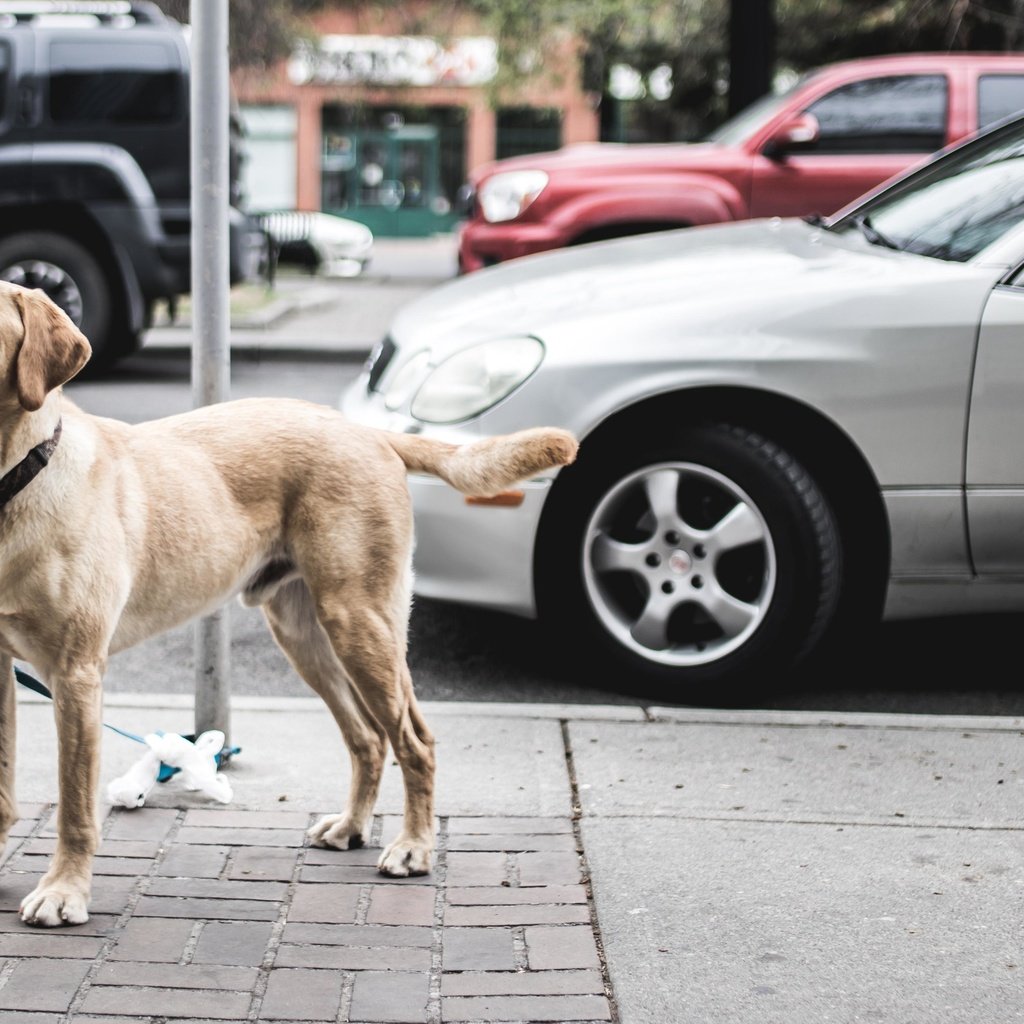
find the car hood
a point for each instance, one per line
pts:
(766, 277)
(614, 157)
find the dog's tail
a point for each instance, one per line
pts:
(487, 467)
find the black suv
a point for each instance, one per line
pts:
(94, 165)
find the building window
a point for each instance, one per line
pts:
(268, 173)
(528, 130)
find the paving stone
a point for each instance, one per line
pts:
(522, 983)
(569, 913)
(43, 984)
(194, 861)
(302, 995)
(519, 1008)
(549, 868)
(110, 895)
(512, 826)
(480, 949)
(215, 889)
(23, 1017)
(205, 976)
(152, 941)
(152, 823)
(556, 841)
(257, 863)
(98, 924)
(129, 867)
(363, 856)
(357, 935)
(476, 869)
(201, 816)
(514, 895)
(326, 903)
(235, 943)
(561, 948)
(211, 909)
(390, 905)
(274, 837)
(166, 1002)
(50, 944)
(142, 848)
(392, 997)
(354, 958)
(357, 874)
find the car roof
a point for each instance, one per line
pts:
(929, 59)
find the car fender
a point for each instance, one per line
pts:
(686, 199)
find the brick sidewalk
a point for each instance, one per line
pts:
(226, 915)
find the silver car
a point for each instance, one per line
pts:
(789, 428)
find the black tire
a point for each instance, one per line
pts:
(733, 580)
(72, 277)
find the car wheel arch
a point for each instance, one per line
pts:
(828, 453)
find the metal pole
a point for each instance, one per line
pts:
(211, 350)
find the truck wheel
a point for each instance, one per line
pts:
(70, 275)
(697, 568)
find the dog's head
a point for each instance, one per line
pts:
(40, 348)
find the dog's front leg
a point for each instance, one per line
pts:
(62, 895)
(8, 802)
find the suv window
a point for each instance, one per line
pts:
(122, 83)
(898, 114)
(999, 96)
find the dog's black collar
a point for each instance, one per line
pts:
(26, 471)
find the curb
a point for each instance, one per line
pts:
(653, 715)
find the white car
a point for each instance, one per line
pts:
(333, 246)
(788, 428)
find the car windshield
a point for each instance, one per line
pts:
(956, 208)
(752, 118)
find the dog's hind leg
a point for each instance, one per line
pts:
(370, 642)
(292, 620)
(8, 802)
(62, 895)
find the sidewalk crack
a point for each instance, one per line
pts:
(577, 814)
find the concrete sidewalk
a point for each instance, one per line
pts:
(594, 864)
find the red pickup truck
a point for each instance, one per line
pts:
(837, 133)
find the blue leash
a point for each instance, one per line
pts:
(166, 770)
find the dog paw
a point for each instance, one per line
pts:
(52, 904)
(337, 831)
(405, 857)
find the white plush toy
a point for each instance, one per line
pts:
(197, 764)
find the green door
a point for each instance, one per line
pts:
(388, 180)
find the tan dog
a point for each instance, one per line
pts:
(132, 530)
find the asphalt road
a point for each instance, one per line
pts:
(961, 666)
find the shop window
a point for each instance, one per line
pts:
(528, 130)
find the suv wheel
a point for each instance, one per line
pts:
(696, 567)
(70, 275)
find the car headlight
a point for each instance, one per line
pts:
(406, 379)
(507, 194)
(471, 381)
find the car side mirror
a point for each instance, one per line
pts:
(798, 132)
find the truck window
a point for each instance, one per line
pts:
(137, 83)
(999, 96)
(897, 114)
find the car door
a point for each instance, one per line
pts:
(870, 130)
(995, 439)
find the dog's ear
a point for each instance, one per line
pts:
(52, 350)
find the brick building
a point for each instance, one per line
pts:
(374, 122)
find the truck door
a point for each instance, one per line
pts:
(869, 131)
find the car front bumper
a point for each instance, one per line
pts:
(475, 554)
(483, 245)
